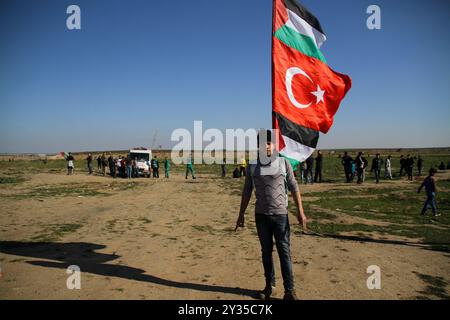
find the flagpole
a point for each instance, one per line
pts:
(271, 61)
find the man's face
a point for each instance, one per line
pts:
(269, 148)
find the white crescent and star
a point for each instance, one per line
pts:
(319, 93)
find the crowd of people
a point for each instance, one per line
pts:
(119, 167)
(126, 166)
(309, 171)
(358, 166)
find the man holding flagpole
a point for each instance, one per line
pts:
(306, 93)
(271, 178)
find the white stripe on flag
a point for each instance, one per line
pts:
(295, 150)
(303, 27)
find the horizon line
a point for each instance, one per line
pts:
(202, 150)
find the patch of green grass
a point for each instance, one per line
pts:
(121, 186)
(54, 232)
(11, 180)
(437, 239)
(311, 211)
(351, 190)
(62, 190)
(399, 208)
(395, 208)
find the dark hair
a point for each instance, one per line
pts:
(267, 133)
(432, 171)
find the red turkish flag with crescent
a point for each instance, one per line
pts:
(306, 90)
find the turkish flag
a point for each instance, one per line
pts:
(305, 90)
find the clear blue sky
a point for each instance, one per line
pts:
(140, 66)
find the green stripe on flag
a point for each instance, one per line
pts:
(294, 163)
(300, 42)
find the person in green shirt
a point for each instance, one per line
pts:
(190, 167)
(166, 167)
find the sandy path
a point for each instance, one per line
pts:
(173, 240)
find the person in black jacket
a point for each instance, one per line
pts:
(347, 163)
(99, 164)
(402, 165)
(376, 167)
(409, 167)
(319, 167)
(111, 165)
(236, 173)
(89, 163)
(420, 165)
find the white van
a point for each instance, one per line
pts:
(143, 157)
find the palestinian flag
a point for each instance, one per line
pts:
(306, 92)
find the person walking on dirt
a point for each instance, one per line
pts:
(376, 167)
(430, 187)
(388, 168)
(190, 168)
(89, 163)
(70, 163)
(271, 182)
(319, 163)
(166, 167)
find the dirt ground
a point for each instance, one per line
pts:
(175, 239)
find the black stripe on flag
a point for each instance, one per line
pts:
(296, 132)
(303, 13)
